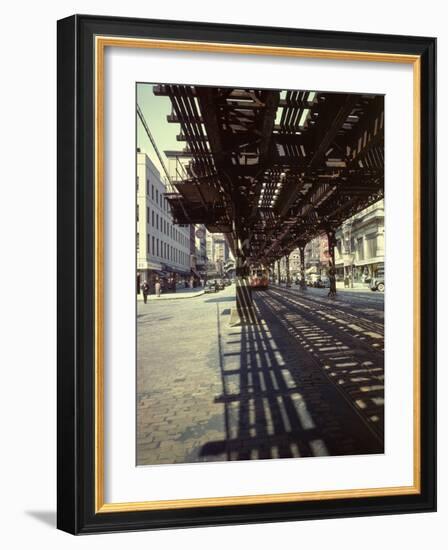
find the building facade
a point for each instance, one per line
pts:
(217, 251)
(359, 252)
(163, 248)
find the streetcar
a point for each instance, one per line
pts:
(259, 278)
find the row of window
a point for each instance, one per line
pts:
(164, 250)
(357, 246)
(155, 195)
(164, 226)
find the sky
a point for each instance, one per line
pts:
(155, 110)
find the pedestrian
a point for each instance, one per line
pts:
(145, 290)
(157, 288)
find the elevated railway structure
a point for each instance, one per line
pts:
(272, 169)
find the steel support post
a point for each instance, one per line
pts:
(302, 267)
(331, 237)
(288, 275)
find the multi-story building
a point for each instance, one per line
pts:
(163, 248)
(316, 255)
(217, 251)
(200, 247)
(294, 263)
(360, 244)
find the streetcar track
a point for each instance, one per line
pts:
(343, 306)
(356, 371)
(368, 332)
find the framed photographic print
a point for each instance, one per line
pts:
(246, 274)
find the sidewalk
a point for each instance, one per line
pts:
(357, 287)
(179, 294)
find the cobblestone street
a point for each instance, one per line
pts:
(306, 381)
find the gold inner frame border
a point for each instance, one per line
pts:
(101, 42)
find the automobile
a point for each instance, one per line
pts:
(319, 283)
(227, 282)
(210, 287)
(220, 284)
(377, 282)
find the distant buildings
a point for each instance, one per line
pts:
(199, 249)
(217, 253)
(163, 249)
(359, 251)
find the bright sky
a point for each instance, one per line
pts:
(155, 110)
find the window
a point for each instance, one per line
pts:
(152, 218)
(147, 244)
(136, 213)
(153, 251)
(157, 195)
(157, 221)
(152, 192)
(371, 245)
(360, 248)
(138, 242)
(137, 183)
(147, 214)
(147, 187)
(339, 246)
(157, 247)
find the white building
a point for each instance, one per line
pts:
(360, 243)
(163, 249)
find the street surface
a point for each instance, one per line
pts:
(308, 380)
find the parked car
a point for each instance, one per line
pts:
(377, 282)
(210, 287)
(220, 284)
(319, 283)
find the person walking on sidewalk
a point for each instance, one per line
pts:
(145, 290)
(157, 288)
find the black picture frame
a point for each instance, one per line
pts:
(76, 286)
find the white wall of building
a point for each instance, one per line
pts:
(160, 242)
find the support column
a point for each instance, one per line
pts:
(278, 271)
(244, 312)
(302, 267)
(331, 237)
(288, 275)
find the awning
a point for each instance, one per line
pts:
(170, 269)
